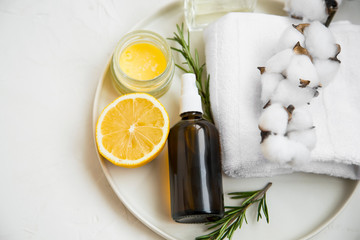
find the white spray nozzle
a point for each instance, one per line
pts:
(190, 98)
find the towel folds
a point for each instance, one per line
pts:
(235, 46)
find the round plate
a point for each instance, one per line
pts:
(300, 205)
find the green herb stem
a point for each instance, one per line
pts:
(235, 216)
(194, 66)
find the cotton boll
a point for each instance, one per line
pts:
(289, 37)
(278, 149)
(279, 62)
(301, 67)
(309, 10)
(269, 82)
(289, 94)
(306, 137)
(327, 70)
(301, 154)
(274, 119)
(301, 119)
(319, 41)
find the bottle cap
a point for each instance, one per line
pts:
(190, 98)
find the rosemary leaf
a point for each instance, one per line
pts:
(238, 195)
(181, 68)
(265, 209)
(259, 210)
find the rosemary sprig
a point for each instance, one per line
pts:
(235, 216)
(194, 66)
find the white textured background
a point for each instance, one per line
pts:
(52, 54)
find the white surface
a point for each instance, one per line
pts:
(52, 54)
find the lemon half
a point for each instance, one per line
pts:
(132, 130)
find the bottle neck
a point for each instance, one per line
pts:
(191, 115)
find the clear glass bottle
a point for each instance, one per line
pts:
(194, 162)
(199, 13)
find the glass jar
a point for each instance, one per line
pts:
(156, 86)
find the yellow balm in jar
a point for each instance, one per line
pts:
(142, 62)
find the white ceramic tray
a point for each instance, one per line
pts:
(300, 205)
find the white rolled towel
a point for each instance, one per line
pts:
(235, 46)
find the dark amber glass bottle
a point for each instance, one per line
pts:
(194, 164)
